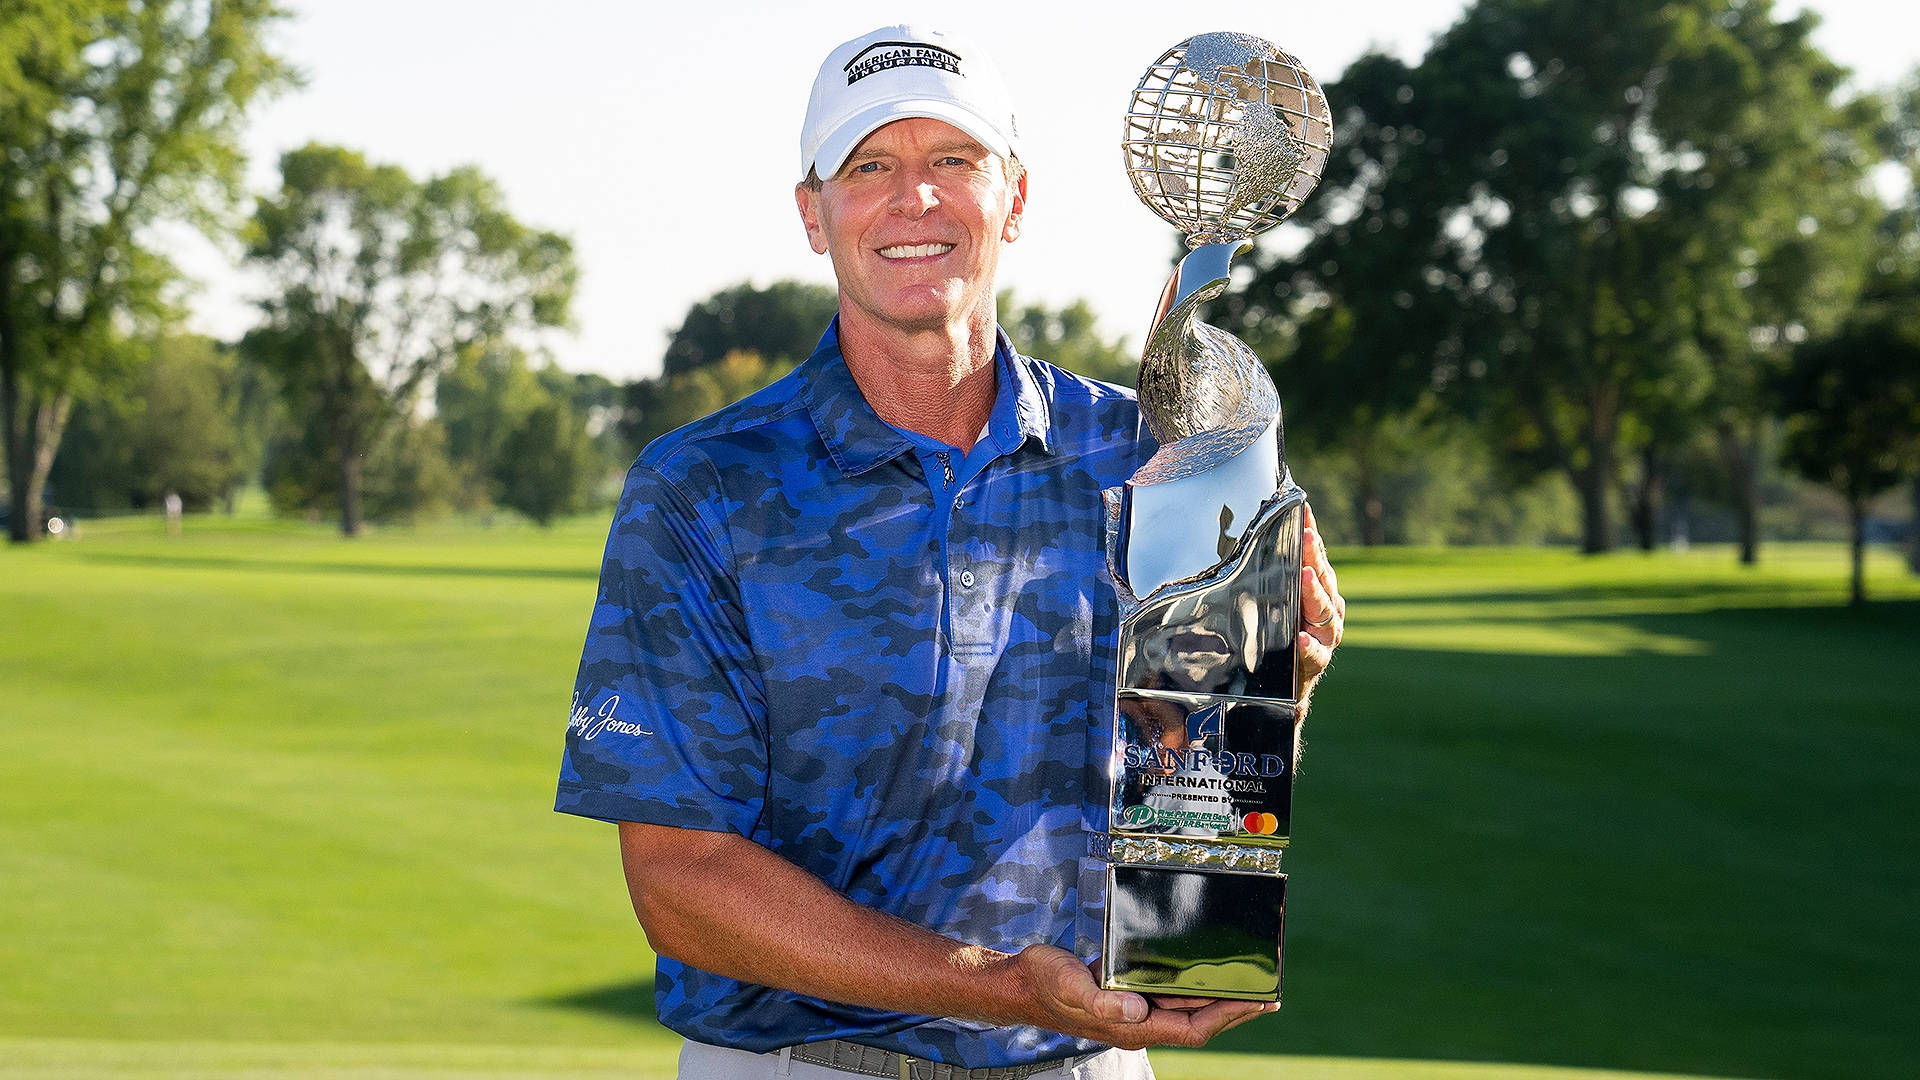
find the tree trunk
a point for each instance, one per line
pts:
(1857, 511)
(50, 423)
(1596, 526)
(1741, 456)
(1373, 530)
(23, 521)
(1913, 531)
(1595, 483)
(350, 487)
(1645, 511)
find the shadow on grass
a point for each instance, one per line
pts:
(294, 566)
(631, 1001)
(1692, 864)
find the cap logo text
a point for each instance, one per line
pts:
(882, 55)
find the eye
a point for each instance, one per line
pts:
(867, 167)
(954, 159)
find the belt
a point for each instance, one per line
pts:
(867, 1061)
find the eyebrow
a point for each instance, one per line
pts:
(967, 148)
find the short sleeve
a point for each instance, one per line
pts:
(668, 725)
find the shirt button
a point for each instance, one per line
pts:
(966, 579)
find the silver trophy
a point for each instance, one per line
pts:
(1225, 136)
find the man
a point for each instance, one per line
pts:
(850, 663)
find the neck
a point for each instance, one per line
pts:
(939, 383)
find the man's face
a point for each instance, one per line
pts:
(914, 222)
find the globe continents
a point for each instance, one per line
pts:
(1225, 136)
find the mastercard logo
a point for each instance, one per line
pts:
(1260, 824)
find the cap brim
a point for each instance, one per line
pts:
(837, 147)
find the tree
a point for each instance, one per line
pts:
(1351, 314)
(546, 463)
(480, 400)
(1539, 160)
(113, 115)
(379, 282)
(535, 441)
(657, 406)
(191, 421)
(781, 322)
(1852, 405)
(1895, 275)
(1067, 338)
(1769, 220)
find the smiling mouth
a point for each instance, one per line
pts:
(914, 251)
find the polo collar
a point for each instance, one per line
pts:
(857, 439)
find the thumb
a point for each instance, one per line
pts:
(1113, 1005)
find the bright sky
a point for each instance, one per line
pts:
(664, 138)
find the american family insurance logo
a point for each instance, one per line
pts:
(883, 55)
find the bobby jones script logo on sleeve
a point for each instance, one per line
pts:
(589, 723)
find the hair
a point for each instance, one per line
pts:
(1010, 165)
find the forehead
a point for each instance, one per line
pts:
(917, 134)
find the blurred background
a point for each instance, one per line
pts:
(327, 331)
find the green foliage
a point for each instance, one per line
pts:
(546, 466)
(657, 406)
(781, 322)
(190, 420)
(405, 476)
(113, 115)
(1432, 481)
(380, 283)
(480, 400)
(1575, 222)
(1066, 337)
(1852, 407)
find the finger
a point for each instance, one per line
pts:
(1117, 1006)
(1326, 568)
(1313, 551)
(1318, 556)
(1317, 608)
(1221, 1015)
(1179, 1004)
(1315, 656)
(1268, 1007)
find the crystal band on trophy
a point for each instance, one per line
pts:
(1225, 136)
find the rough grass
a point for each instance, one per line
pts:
(275, 804)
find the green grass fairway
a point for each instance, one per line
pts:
(273, 804)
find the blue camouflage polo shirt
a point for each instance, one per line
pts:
(888, 663)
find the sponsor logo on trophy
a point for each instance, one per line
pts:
(1225, 136)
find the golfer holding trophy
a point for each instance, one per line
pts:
(848, 681)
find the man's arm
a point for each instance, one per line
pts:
(724, 904)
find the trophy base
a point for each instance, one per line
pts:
(1195, 933)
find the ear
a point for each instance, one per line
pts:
(808, 201)
(1011, 231)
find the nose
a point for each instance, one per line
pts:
(915, 195)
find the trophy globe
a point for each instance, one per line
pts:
(1225, 136)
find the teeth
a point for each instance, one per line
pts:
(915, 251)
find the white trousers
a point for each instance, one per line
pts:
(698, 1061)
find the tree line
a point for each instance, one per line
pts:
(1588, 261)
(1635, 245)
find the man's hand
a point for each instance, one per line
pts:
(1323, 611)
(723, 903)
(1072, 1002)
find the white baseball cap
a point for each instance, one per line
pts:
(896, 72)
